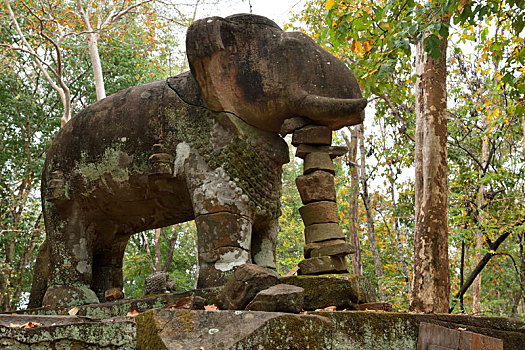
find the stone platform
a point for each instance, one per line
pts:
(189, 329)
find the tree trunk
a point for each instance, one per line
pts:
(353, 204)
(98, 75)
(431, 280)
(399, 247)
(157, 250)
(478, 235)
(369, 217)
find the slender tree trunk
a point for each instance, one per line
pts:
(399, 247)
(353, 205)
(98, 75)
(369, 217)
(431, 280)
(478, 235)
(157, 250)
(462, 274)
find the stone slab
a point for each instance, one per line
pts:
(217, 330)
(313, 135)
(319, 213)
(379, 306)
(65, 332)
(340, 290)
(311, 246)
(123, 306)
(323, 265)
(316, 186)
(243, 286)
(432, 336)
(341, 249)
(318, 161)
(279, 298)
(322, 232)
(333, 151)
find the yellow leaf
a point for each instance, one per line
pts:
(329, 4)
(367, 46)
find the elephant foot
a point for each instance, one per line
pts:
(69, 296)
(216, 267)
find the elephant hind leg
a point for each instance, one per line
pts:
(70, 256)
(107, 266)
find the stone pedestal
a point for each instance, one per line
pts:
(326, 249)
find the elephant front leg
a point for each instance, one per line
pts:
(70, 247)
(223, 244)
(223, 220)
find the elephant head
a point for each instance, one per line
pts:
(246, 65)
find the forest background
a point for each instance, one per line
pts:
(59, 56)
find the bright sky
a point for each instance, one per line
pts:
(276, 10)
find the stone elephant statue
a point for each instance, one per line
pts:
(203, 145)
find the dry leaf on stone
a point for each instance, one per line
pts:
(211, 308)
(132, 313)
(328, 308)
(25, 325)
(184, 303)
(73, 311)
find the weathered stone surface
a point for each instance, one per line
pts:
(65, 332)
(340, 290)
(341, 249)
(323, 265)
(317, 186)
(333, 151)
(318, 161)
(216, 267)
(292, 124)
(123, 306)
(322, 232)
(279, 298)
(114, 294)
(319, 213)
(245, 283)
(219, 330)
(155, 283)
(432, 336)
(375, 306)
(311, 246)
(313, 135)
(223, 230)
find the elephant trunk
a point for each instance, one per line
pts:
(332, 112)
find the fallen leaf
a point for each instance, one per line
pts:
(328, 308)
(73, 311)
(132, 313)
(184, 303)
(25, 325)
(211, 308)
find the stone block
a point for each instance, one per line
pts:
(155, 283)
(341, 249)
(340, 290)
(333, 151)
(223, 229)
(322, 232)
(323, 265)
(375, 306)
(279, 298)
(292, 124)
(313, 135)
(318, 161)
(243, 285)
(225, 329)
(317, 186)
(319, 213)
(432, 336)
(311, 246)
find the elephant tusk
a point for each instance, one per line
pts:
(333, 112)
